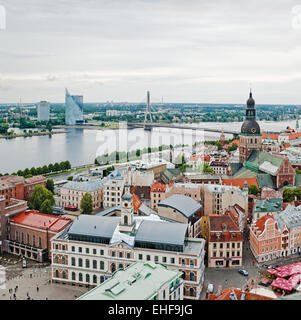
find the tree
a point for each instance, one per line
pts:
(86, 204)
(20, 173)
(46, 207)
(33, 171)
(57, 167)
(70, 178)
(50, 167)
(253, 189)
(206, 168)
(39, 195)
(49, 126)
(50, 185)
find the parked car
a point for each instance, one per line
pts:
(243, 272)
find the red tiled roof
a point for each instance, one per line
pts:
(39, 220)
(260, 223)
(273, 136)
(240, 182)
(160, 187)
(248, 295)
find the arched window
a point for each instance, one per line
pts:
(64, 274)
(102, 279)
(87, 263)
(73, 276)
(73, 261)
(94, 279)
(101, 265)
(63, 260)
(192, 276)
(94, 264)
(57, 274)
(87, 278)
(191, 292)
(126, 220)
(80, 277)
(113, 267)
(56, 259)
(120, 266)
(80, 262)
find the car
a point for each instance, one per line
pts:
(243, 272)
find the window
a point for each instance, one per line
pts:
(87, 278)
(120, 254)
(113, 267)
(191, 292)
(101, 265)
(87, 263)
(128, 255)
(94, 251)
(73, 249)
(191, 276)
(40, 243)
(120, 266)
(56, 259)
(164, 259)
(73, 277)
(80, 249)
(73, 261)
(34, 241)
(57, 274)
(148, 258)
(17, 236)
(101, 252)
(27, 238)
(113, 253)
(87, 250)
(94, 264)
(156, 258)
(140, 257)
(80, 262)
(63, 260)
(94, 279)
(64, 274)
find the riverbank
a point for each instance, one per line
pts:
(33, 134)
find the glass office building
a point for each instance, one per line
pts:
(74, 107)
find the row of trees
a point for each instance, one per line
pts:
(56, 167)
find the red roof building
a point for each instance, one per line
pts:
(31, 231)
(240, 182)
(225, 243)
(237, 294)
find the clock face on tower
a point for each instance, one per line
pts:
(253, 130)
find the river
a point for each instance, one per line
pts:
(81, 146)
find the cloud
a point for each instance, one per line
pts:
(200, 47)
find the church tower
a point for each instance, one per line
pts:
(250, 136)
(127, 222)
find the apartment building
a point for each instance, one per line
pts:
(225, 242)
(217, 198)
(112, 191)
(73, 191)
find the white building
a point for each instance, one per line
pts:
(43, 111)
(94, 247)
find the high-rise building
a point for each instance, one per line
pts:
(74, 113)
(43, 111)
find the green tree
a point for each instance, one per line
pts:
(70, 178)
(46, 207)
(50, 167)
(33, 171)
(57, 167)
(253, 189)
(50, 185)
(86, 204)
(20, 173)
(39, 195)
(206, 168)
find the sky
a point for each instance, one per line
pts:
(197, 51)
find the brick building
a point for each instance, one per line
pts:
(8, 209)
(19, 187)
(31, 232)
